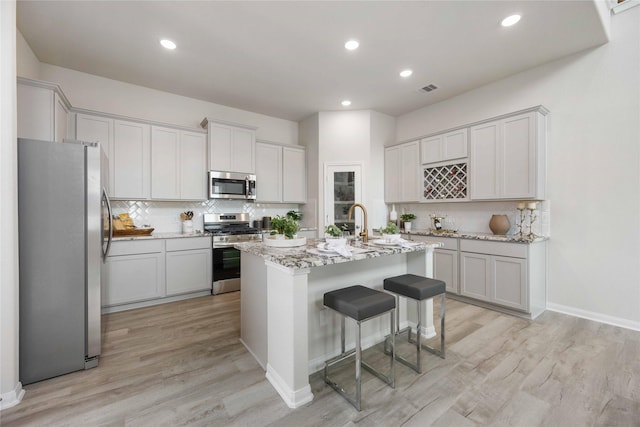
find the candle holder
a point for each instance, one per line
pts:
(532, 219)
(522, 215)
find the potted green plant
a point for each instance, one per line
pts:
(335, 235)
(286, 226)
(407, 218)
(333, 230)
(390, 232)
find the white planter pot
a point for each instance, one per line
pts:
(407, 226)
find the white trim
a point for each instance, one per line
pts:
(538, 108)
(596, 317)
(12, 398)
(205, 123)
(157, 301)
(264, 368)
(625, 5)
(293, 398)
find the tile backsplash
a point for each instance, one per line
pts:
(475, 216)
(465, 217)
(164, 217)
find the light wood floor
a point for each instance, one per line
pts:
(182, 364)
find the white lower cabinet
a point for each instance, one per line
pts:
(149, 271)
(507, 276)
(188, 265)
(445, 268)
(512, 275)
(134, 271)
(445, 260)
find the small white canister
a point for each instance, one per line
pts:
(187, 226)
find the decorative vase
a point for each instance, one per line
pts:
(499, 224)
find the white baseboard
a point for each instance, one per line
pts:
(293, 398)
(12, 398)
(597, 317)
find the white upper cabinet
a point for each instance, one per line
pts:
(193, 165)
(131, 160)
(178, 164)
(43, 111)
(98, 129)
(268, 172)
(231, 147)
(280, 173)
(294, 175)
(402, 173)
(508, 158)
(165, 163)
(447, 146)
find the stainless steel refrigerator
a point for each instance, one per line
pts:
(63, 238)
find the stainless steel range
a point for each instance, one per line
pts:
(228, 229)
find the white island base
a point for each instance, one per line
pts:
(283, 320)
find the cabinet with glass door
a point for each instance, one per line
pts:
(344, 198)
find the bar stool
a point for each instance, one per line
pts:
(417, 288)
(360, 303)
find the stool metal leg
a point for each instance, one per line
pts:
(355, 400)
(342, 347)
(418, 338)
(442, 304)
(432, 350)
(417, 342)
(358, 368)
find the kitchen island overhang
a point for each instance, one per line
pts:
(283, 321)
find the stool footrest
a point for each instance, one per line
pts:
(433, 350)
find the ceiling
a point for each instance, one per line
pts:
(287, 58)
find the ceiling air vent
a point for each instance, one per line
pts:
(429, 88)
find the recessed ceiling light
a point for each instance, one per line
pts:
(406, 73)
(168, 44)
(351, 45)
(346, 103)
(510, 20)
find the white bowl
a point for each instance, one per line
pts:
(389, 238)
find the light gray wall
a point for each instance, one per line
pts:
(593, 166)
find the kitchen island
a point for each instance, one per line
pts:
(283, 321)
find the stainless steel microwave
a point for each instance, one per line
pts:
(231, 185)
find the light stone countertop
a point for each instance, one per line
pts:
(154, 235)
(306, 256)
(478, 236)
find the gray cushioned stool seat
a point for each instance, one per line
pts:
(359, 302)
(415, 287)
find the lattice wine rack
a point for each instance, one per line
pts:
(447, 182)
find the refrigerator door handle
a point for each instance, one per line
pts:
(105, 196)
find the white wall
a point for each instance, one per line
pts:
(593, 166)
(308, 136)
(383, 129)
(343, 137)
(97, 93)
(112, 96)
(27, 63)
(10, 389)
